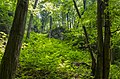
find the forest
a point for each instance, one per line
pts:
(60, 39)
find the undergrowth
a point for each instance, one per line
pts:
(49, 58)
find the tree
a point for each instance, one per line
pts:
(87, 42)
(12, 51)
(107, 35)
(100, 19)
(103, 57)
(85, 7)
(31, 20)
(50, 34)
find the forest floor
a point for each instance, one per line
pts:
(48, 58)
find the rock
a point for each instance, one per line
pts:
(57, 33)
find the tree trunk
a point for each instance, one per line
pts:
(12, 51)
(67, 20)
(31, 21)
(107, 54)
(42, 26)
(84, 2)
(100, 20)
(91, 53)
(50, 33)
(87, 42)
(73, 22)
(85, 7)
(29, 26)
(62, 20)
(75, 5)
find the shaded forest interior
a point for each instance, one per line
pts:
(60, 39)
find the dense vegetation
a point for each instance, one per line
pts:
(59, 39)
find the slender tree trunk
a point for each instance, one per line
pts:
(67, 20)
(12, 51)
(31, 21)
(87, 42)
(84, 2)
(29, 26)
(75, 5)
(84, 5)
(91, 53)
(62, 20)
(79, 15)
(42, 26)
(107, 53)
(100, 20)
(73, 22)
(70, 25)
(50, 33)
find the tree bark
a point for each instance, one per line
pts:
(100, 20)
(12, 51)
(31, 20)
(107, 53)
